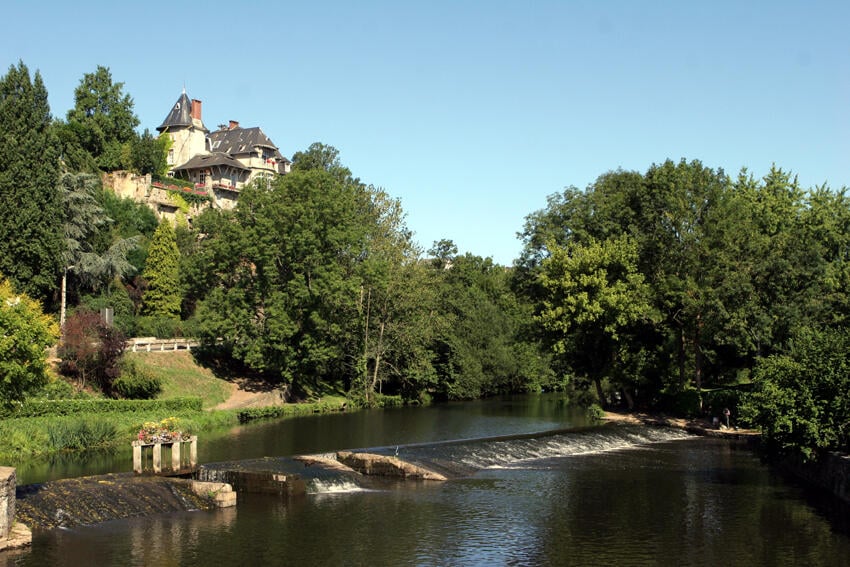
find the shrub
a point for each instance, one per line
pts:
(57, 389)
(136, 382)
(159, 327)
(595, 411)
(91, 349)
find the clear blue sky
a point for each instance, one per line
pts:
(472, 113)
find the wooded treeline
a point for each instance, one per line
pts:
(653, 287)
(676, 288)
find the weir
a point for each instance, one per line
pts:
(90, 500)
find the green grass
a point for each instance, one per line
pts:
(182, 376)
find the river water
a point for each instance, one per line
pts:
(533, 483)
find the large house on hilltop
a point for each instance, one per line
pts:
(222, 162)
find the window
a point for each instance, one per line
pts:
(202, 178)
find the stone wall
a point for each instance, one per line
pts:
(830, 473)
(8, 482)
(140, 189)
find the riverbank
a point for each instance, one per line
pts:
(695, 426)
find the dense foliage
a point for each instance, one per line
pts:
(801, 401)
(25, 333)
(722, 276)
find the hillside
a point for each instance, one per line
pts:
(182, 375)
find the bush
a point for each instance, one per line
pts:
(268, 412)
(119, 301)
(684, 403)
(58, 389)
(136, 382)
(595, 412)
(91, 349)
(159, 327)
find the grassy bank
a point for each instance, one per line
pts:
(22, 438)
(182, 376)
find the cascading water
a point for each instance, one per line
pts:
(466, 457)
(455, 459)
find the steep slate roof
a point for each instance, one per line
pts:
(208, 160)
(239, 140)
(180, 115)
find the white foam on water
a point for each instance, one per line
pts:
(335, 486)
(517, 453)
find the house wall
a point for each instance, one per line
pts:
(186, 143)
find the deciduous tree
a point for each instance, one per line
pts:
(25, 334)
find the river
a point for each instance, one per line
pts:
(535, 484)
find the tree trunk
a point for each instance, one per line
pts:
(682, 358)
(378, 356)
(63, 300)
(630, 401)
(598, 383)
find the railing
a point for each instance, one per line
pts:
(150, 344)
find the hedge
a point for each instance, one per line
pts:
(269, 412)
(48, 408)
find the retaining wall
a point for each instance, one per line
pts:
(831, 473)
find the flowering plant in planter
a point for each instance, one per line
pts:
(165, 431)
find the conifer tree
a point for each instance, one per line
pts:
(162, 297)
(31, 220)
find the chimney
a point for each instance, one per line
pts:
(233, 124)
(196, 109)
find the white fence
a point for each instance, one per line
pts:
(151, 344)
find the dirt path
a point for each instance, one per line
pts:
(247, 393)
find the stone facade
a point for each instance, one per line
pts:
(158, 196)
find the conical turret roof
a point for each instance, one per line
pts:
(180, 115)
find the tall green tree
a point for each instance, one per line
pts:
(83, 216)
(103, 120)
(85, 219)
(396, 308)
(284, 300)
(30, 201)
(149, 154)
(162, 274)
(595, 305)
